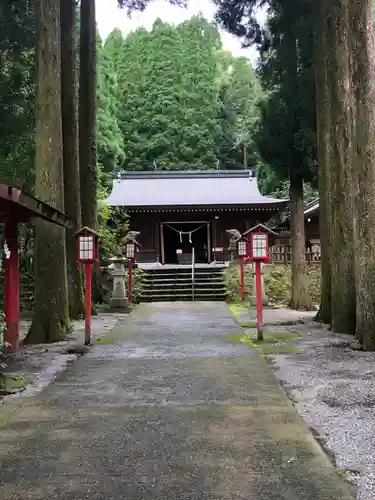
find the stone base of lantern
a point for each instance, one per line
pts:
(119, 301)
(120, 305)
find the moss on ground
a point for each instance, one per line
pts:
(12, 382)
(273, 342)
(114, 336)
(238, 308)
(247, 324)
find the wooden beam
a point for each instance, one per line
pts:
(208, 243)
(162, 243)
(214, 222)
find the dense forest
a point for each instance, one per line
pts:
(172, 98)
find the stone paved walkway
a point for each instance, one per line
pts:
(164, 409)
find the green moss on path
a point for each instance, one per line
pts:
(117, 335)
(273, 343)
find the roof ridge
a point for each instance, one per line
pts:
(181, 174)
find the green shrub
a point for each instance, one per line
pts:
(2, 328)
(277, 282)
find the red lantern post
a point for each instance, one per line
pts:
(88, 254)
(259, 254)
(242, 253)
(130, 254)
(11, 281)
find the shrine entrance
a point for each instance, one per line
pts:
(179, 238)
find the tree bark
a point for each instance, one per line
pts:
(363, 59)
(300, 298)
(51, 316)
(340, 91)
(87, 129)
(70, 151)
(87, 114)
(323, 139)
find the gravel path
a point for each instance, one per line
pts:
(168, 409)
(333, 389)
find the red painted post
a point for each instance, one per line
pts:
(258, 286)
(130, 280)
(12, 288)
(88, 303)
(242, 277)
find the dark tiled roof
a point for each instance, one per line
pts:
(188, 189)
(312, 208)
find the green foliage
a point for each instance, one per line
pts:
(2, 327)
(277, 283)
(285, 137)
(17, 92)
(239, 97)
(171, 99)
(138, 284)
(110, 143)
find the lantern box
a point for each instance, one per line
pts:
(130, 250)
(259, 246)
(87, 245)
(242, 248)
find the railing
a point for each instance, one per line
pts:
(192, 272)
(283, 254)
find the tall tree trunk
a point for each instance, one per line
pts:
(70, 150)
(87, 114)
(343, 272)
(300, 291)
(87, 129)
(323, 138)
(363, 52)
(51, 316)
(300, 298)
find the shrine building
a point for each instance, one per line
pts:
(176, 211)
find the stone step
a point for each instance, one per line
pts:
(187, 297)
(176, 284)
(163, 272)
(171, 291)
(183, 281)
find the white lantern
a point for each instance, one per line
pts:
(88, 245)
(241, 248)
(259, 246)
(130, 250)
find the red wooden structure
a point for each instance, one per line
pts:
(16, 207)
(259, 252)
(88, 254)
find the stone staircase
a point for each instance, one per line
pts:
(172, 284)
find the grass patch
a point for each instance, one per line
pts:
(10, 383)
(280, 337)
(237, 309)
(273, 343)
(247, 324)
(114, 336)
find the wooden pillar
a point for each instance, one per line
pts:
(162, 243)
(214, 242)
(157, 240)
(208, 243)
(12, 287)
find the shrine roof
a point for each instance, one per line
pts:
(217, 188)
(312, 208)
(21, 207)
